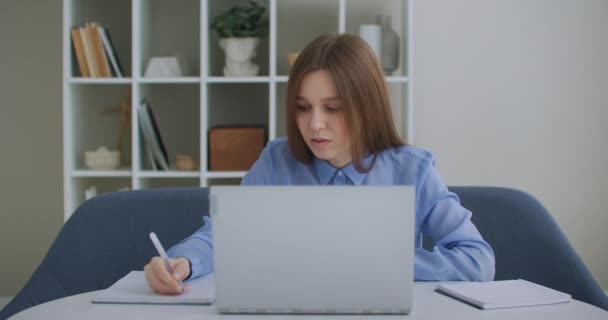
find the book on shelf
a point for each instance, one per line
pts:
(99, 54)
(79, 52)
(110, 52)
(88, 52)
(95, 52)
(155, 146)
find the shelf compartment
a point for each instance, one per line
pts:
(299, 22)
(103, 185)
(360, 12)
(171, 28)
(115, 15)
(176, 108)
(237, 104)
(216, 54)
(97, 120)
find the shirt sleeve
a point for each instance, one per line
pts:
(460, 253)
(198, 249)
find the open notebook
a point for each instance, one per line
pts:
(503, 294)
(133, 288)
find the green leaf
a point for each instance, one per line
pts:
(244, 20)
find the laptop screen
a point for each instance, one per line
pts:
(313, 249)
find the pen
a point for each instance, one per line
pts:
(161, 251)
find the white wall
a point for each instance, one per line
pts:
(515, 93)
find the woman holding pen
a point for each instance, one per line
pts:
(340, 131)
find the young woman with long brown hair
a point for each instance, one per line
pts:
(340, 131)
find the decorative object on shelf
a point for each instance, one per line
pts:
(240, 29)
(165, 67)
(124, 109)
(235, 148)
(389, 45)
(185, 162)
(372, 34)
(291, 58)
(102, 159)
(90, 193)
(239, 52)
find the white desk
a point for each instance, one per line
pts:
(428, 304)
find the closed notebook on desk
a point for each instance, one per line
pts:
(503, 294)
(134, 289)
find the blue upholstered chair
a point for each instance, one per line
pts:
(107, 237)
(528, 243)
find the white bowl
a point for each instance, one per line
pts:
(102, 159)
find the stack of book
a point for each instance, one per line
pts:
(95, 52)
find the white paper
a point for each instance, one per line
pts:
(133, 288)
(503, 294)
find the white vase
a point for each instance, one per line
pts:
(238, 52)
(371, 33)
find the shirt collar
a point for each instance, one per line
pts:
(326, 171)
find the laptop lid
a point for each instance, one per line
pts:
(313, 249)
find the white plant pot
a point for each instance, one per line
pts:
(238, 52)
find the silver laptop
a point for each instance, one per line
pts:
(313, 249)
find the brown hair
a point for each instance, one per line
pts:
(361, 88)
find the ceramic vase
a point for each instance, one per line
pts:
(389, 45)
(371, 33)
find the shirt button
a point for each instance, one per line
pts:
(339, 173)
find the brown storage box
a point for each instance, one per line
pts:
(235, 148)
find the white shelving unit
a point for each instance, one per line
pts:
(187, 107)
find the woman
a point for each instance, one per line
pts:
(340, 131)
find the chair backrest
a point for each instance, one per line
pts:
(107, 237)
(528, 243)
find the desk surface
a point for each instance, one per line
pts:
(428, 304)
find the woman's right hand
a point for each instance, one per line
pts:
(160, 280)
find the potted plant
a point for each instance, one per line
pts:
(240, 29)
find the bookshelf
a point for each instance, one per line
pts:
(187, 107)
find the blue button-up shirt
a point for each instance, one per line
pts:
(460, 253)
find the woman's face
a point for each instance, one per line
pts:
(321, 120)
